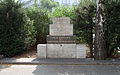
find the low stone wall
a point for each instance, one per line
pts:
(61, 51)
(81, 50)
(41, 50)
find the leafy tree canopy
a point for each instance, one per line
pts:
(46, 4)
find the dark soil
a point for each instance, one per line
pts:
(30, 53)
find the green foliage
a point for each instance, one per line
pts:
(86, 3)
(12, 31)
(84, 21)
(63, 11)
(46, 4)
(113, 26)
(40, 26)
(19, 30)
(85, 17)
(30, 32)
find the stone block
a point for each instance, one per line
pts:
(41, 50)
(81, 51)
(61, 20)
(61, 39)
(61, 51)
(61, 29)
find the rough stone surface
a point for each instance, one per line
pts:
(61, 51)
(61, 39)
(61, 20)
(61, 26)
(61, 43)
(61, 29)
(41, 50)
(81, 51)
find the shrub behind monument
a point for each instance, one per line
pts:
(12, 28)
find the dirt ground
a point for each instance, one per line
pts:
(30, 53)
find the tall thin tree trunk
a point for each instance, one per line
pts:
(91, 39)
(91, 35)
(100, 43)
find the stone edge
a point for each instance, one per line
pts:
(61, 63)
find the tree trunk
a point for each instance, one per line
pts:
(91, 37)
(100, 42)
(91, 40)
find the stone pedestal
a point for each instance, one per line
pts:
(81, 50)
(61, 43)
(41, 50)
(61, 51)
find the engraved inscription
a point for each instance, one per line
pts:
(61, 26)
(61, 39)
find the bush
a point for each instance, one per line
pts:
(113, 27)
(84, 22)
(40, 26)
(63, 11)
(12, 28)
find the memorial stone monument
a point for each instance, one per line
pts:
(61, 43)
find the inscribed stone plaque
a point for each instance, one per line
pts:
(61, 20)
(61, 26)
(61, 39)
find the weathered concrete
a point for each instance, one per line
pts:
(61, 29)
(41, 50)
(81, 50)
(61, 39)
(57, 20)
(61, 50)
(61, 26)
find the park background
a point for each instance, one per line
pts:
(24, 24)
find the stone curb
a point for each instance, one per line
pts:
(57, 62)
(28, 63)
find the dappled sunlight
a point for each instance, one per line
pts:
(69, 74)
(63, 73)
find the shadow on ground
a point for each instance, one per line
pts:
(77, 70)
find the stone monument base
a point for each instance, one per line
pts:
(61, 51)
